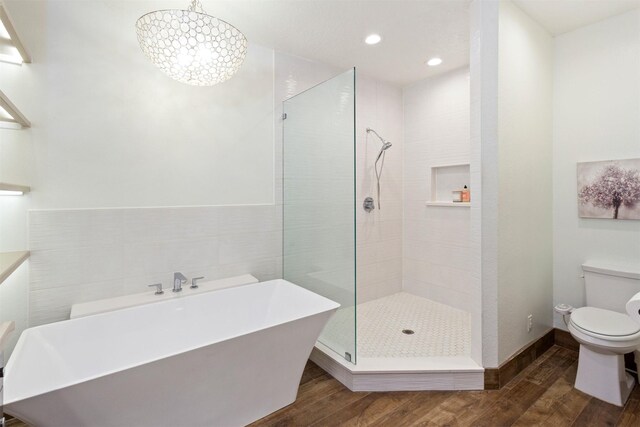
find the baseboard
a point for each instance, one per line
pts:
(496, 378)
(566, 340)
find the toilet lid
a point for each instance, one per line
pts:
(604, 322)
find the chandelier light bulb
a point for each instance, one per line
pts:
(373, 39)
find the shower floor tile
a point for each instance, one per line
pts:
(438, 329)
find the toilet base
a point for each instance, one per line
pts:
(602, 375)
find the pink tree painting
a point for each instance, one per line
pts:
(609, 189)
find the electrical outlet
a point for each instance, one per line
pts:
(529, 322)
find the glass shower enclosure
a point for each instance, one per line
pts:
(319, 241)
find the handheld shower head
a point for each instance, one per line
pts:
(385, 146)
(369, 130)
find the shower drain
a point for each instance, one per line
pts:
(408, 332)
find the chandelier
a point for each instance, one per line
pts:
(191, 46)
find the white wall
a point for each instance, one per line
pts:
(16, 158)
(111, 130)
(14, 303)
(437, 238)
(525, 189)
(511, 140)
(86, 254)
(596, 117)
(112, 136)
(483, 70)
(15, 168)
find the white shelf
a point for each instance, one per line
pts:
(24, 189)
(450, 204)
(11, 49)
(10, 261)
(10, 113)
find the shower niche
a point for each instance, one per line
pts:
(445, 179)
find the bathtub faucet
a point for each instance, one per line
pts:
(178, 281)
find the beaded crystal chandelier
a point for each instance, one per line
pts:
(191, 46)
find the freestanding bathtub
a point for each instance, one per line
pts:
(223, 358)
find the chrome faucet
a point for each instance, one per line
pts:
(178, 281)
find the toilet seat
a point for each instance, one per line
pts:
(604, 324)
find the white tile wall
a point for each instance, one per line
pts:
(379, 233)
(437, 240)
(82, 255)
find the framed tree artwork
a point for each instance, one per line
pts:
(609, 189)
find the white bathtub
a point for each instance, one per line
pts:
(223, 358)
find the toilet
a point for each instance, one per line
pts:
(606, 332)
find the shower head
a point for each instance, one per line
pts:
(385, 144)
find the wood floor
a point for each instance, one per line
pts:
(541, 395)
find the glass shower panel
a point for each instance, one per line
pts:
(319, 201)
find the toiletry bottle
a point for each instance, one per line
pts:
(466, 195)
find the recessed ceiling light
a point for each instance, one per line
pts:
(434, 61)
(373, 39)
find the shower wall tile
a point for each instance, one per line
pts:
(379, 233)
(61, 229)
(236, 247)
(87, 254)
(437, 250)
(54, 268)
(441, 294)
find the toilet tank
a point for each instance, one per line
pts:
(610, 286)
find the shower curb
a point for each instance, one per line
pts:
(415, 379)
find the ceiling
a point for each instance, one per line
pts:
(333, 31)
(561, 16)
